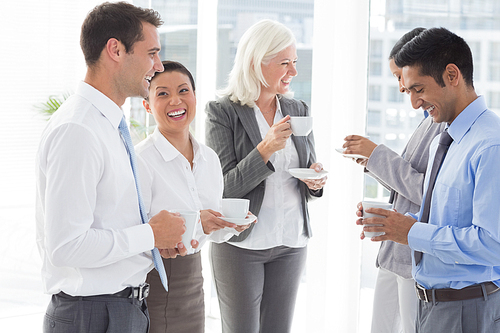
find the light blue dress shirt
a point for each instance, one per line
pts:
(461, 242)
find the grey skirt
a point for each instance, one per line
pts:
(182, 309)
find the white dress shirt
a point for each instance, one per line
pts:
(280, 221)
(169, 183)
(89, 230)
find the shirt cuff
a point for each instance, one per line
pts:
(412, 215)
(420, 235)
(140, 238)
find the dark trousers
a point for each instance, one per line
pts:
(95, 314)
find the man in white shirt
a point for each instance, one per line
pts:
(94, 247)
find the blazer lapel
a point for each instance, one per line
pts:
(247, 119)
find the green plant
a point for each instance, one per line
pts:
(53, 103)
(49, 107)
(141, 130)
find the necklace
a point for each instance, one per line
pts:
(271, 110)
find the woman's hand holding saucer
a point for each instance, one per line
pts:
(315, 184)
(210, 221)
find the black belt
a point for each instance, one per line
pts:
(449, 295)
(140, 292)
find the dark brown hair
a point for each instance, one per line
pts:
(174, 66)
(119, 20)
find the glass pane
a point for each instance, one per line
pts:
(236, 16)
(477, 21)
(178, 37)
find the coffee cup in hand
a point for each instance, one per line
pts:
(374, 204)
(235, 208)
(301, 126)
(191, 217)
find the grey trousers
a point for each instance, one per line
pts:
(256, 288)
(479, 315)
(95, 314)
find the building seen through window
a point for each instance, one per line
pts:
(478, 22)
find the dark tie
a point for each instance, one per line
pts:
(131, 153)
(445, 141)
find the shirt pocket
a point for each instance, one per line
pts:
(445, 207)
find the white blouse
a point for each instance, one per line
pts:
(168, 182)
(280, 220)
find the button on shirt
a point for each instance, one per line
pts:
(89, 229)
(461, 242)
(280, 220)
(169, 183)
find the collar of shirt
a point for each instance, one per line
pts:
(103, 103)
(462, 123)
(168, 152)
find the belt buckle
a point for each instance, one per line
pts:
(143, 291)
(426, 299)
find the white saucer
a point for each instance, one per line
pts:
(238, 221)
(341, 150)
(306, 173)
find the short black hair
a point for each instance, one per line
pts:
(433, 50)
(174, 66)
(403, 40)
(120, 20)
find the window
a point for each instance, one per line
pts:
(478, 22)
(494, 100)
(374, 93)
(374, 118)
(375, 57)
(394, 95)
(60, 66)
(476, 54)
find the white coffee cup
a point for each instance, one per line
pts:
(301, 126)
(235, 208)
(191, 217)
(374, 204)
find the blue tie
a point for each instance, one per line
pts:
(131, 153)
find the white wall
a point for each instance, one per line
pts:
(40, 56)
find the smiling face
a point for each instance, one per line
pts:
(172, 102)
(279, 72)
(426, 93)
(141, 63)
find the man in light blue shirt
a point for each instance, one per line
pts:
(459, 273)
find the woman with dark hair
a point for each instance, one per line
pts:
(395, 302)
(177, 172)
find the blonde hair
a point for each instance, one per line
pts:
(258, 45)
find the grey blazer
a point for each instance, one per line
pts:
(232, 131)
(404, 177)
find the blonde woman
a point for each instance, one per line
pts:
(257, 273)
